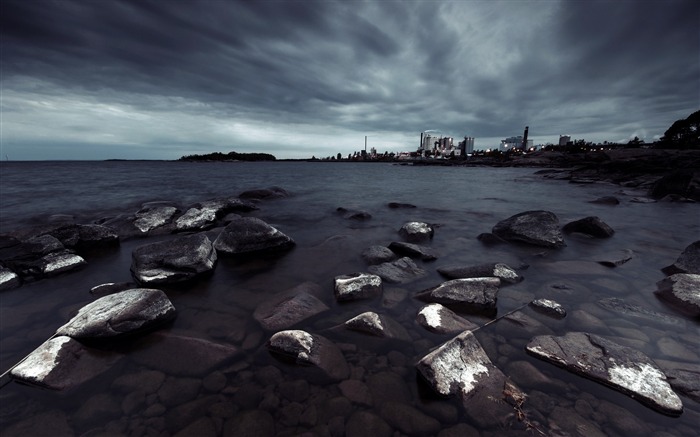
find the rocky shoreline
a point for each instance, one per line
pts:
(458, 368)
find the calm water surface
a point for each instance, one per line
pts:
(462, 202)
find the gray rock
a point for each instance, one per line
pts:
(408, 419)
(401, 271)
(62, 363)
(622, 368)
(357, 391)
(149, 218)
(499, 270)
(170, 261)
(591, 226)
(314, 350)
(620, 306)
(549, 307)
(353, 214)
(56, 263)
(379, 325)
(288, 308)
(365, 423)
(687, 262)
(606, 200)
(111, 287)
(441, 320)
(615, 259)
(264, 193)
(357, 286)
(8, 279)
(539, 228)
(682, 290)
(472, 294)
(245, 235)
(119, 314)
(378, 255)
(205, 214)
(413, 250)
(399, 205)
(416, 232)
(38, 257)
(86, 237)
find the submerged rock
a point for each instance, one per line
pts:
(378, 325)
(246, 235)
(474, 294)
(171, 261)
(119, 314)
(62, 363)
(549, 307)
(288, 308)
(606, 200)
(416, 232)
(401, 271)
(620, 306)
(682, 290)
(687, 262)
(622, 368)
(378, 255)
(539, 228)
(591, 226)
(413, 250)
(357, 286)
(353, 214)
(310, 350)
(615, 259)
(264, 193)
(441, 320)
(499, 270)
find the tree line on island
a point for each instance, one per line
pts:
(230, 156)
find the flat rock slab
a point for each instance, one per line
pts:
(499, 270)
(310, 350)
(86, 237)
(687, 262)
(539, 228)
(441, 320)
(152, 217)
(471, 294)
(246, 235)
(288, 308)
(416, 232)
(620, 306)
(119, 314)
(548, 307)
(591, 226)
(171, 261)
(682, 290)
(8, 279)
(205, 214)
(379, 325)
(413, 250)
(62, 363)
(357, 286)
(615, 259)
(60, 262)
(622, 368)
(401, 271)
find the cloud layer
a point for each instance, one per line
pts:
(153, 79)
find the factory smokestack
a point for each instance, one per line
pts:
(524, 145)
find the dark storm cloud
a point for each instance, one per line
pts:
(484, 69)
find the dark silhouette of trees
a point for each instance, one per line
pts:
(231, 156)
(683, 134)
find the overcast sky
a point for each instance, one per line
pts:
(161, 79)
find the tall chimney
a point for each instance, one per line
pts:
(421, 141)
(524, 147)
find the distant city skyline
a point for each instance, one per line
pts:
(150, 79)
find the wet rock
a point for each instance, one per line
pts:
(313, 350)
(288, 308)
(250, 423)
(205, 214)
(151, 217)
(615, 259)
(145, 381)
(416, 232)
(682, 290)
(195, 356)
(473, 294)
(177, 260)
(677, 182)
(357, 391)
(365, 423)
(246, 235)
(606, 200)
(14, 251)
(408, 420)
(622, 368)
(120, 314)
(351, 214)
(8, 279)
(566, 421)
(56, 263)
(378, 255)
(401, 271)
(685, 378)
(687, 262)
(96, 410)
(378, 325)
(264, 193)
(413, 250)
(549, 307)
(620, 306)
(86, 237)
(357, 286)
(441, 320)
(499, 270)
(111, 287)
(623, 421)
(399, 205)
(46, 423)
(388, 387)
(62, 363)
(38, 257)
(490, 239)
(591, 226)
(539, 228)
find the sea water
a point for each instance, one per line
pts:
(460, 202)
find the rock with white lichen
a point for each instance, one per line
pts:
(501, 271)
(379, 325)
(204, 215)
(416, 232)
(469, 294)
(549, 308)
(683, 291)
(171, 261)
(441, 320)
(306, 349)
(8, 279)
(357, 286)
(622, 368)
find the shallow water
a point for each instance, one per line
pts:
(463, 202)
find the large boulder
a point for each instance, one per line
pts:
(539, 228)
(416, 232)
(677, 182)
(204, 215)
(378, 325)
(687, 262)
(286, 309)
(499, 270)
(401, 271)
(62, 363)
(172, 261)
(154, 216)
(591, 226)
(682, 290)
(471, 294)
(310, 350)
(357, 286)
(622, 368)
(245, 235)
(86, 237)
(413, 250)
(441, 320)
(38, 257)
(120, 314)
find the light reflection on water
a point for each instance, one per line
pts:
(463, 202)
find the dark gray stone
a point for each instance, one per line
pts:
(205, 215)
(539, 228)
(473, 294)
(120, 314)
(8, 279)
(677, 182)
(549, 307)
(378, 255)
(413, 250)
(250, 423)
(499, 270)
(153, 216)
(86, 237)
(408, 419)
(288, 308)
(357, 286)
(379, 325)
(591, 226)
(687, 262)
(416, 232)
(606, 200)
(620, 306)
(615, 259)
(441, 320)
(264, 193)
(246, 235)
(401, 271)
(365, 423)
(622, 368)
(310, 350)
(682, 290)
(177, 260)
(353, 214)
